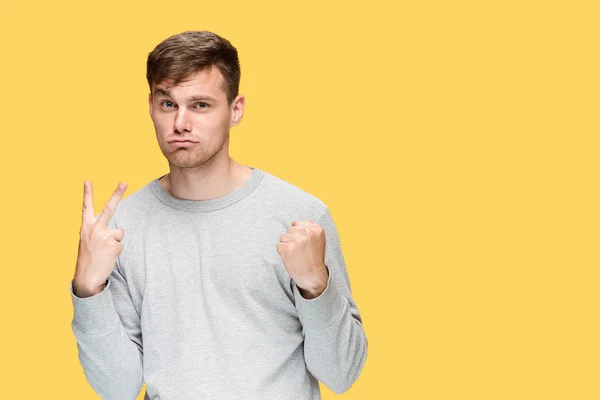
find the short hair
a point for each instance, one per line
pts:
(191, 51)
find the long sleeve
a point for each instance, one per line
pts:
(109, 341)
(335, 344)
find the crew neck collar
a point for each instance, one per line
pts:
(211, 204)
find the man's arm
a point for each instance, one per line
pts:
(109, 340)
(335, 344)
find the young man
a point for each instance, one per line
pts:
(229, 282)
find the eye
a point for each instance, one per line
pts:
(206, 105)
(164, 103)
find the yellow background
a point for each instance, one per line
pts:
(455, 142)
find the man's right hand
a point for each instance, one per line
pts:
(99, 246)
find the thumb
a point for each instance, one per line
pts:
(118, 234)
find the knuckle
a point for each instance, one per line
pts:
(85, 229)
(108, 210)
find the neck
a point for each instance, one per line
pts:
(205, 182)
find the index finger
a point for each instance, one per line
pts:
(111, 205)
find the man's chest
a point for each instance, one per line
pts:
(210, 266)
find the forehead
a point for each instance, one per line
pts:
(206, 81)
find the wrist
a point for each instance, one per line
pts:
(317, 288)
(82, 290)
(312, 293)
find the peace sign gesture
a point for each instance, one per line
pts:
(99, 246)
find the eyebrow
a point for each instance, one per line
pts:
(195, 97)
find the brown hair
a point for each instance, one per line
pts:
(185, 53)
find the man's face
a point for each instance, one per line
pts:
(192, 119)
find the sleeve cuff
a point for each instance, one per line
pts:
(321, 312)
(95, 314)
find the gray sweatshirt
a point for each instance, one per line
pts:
(200, 306)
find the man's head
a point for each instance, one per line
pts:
(194, 82)
(180, 55)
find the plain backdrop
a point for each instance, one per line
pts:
(456, 144)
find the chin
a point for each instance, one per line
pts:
(186, 160)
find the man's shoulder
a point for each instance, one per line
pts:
(285, 193)
(135, 204)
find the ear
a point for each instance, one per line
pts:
(150, 103)
(237, 110)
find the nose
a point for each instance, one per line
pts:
(181, 121)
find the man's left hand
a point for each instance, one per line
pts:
(302, 250)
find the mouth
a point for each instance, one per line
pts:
(183, 143)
